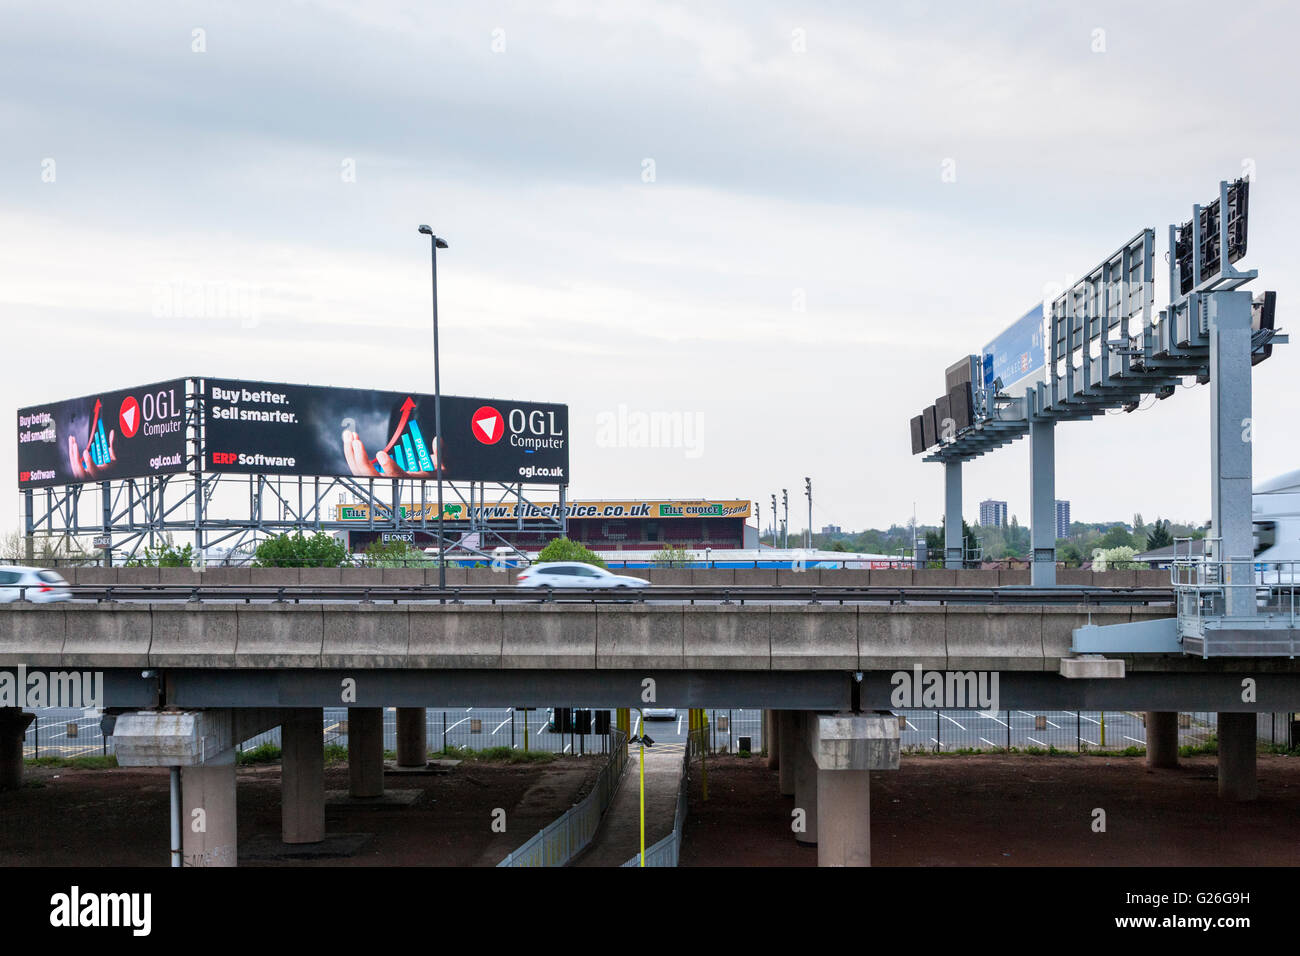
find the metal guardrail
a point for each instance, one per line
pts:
(561, 841)
(1235, 606)
(724, 594)
(667, 852)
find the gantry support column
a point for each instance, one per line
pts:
(302, 777)
(845, 748)
(805, 781)
(787, 735)
(366, 751)
(1042, 494)
(1237, 779)
(13, 728)
(208, 831)
(953, 543)
(1231, 494)
(1162, 739)
(412, 737)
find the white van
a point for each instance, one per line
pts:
(1276, 511)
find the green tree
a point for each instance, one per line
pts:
(1116, 537)
(1159, 536)
(297, 551)
(1116, 559)
(562, 549)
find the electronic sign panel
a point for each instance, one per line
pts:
(265, 428)
(129, 433)
(929, 427)
(918, 435)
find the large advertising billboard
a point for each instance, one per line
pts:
(132, 433)
(265, 428)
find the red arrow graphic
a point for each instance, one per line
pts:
(407, 407)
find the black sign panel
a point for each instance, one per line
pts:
(263, 428)
(918, 435)
(132, 433)
(929, 427)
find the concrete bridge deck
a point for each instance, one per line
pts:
(764, 637)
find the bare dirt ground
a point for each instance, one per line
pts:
(993, 810)
(119, 817)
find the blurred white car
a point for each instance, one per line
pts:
(31, 584)
(665, 713)
(574, 574)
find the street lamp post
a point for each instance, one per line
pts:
(785, 523)
(435, 244)
(775, 542)
(808, 491)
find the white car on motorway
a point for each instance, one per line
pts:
(659, 713)
(574, 574)
(31, 584)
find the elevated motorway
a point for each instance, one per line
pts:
(189, 670)
(805, 648)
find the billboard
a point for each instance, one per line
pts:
(131, 433)
(511, 510)
(272, 429)
(1018, 355)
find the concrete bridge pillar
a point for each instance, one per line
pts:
(208, 832)
(13, 728)
(770, 743)
(1162, 739)
(412, 737)
(1237, 779)
(805, 781)
(845, 748)
(366, 751)
(302, 777)
(844, 799)
(787, 736)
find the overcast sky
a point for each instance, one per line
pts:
(779, 222)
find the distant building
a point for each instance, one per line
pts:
(993, 514)
(832, 529)
(1062, 519)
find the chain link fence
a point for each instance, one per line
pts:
(69, 733)
(667, 852)
(960, 731)
(557, 844)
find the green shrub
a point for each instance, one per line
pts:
(164, 556)
(263, 753)
(296, 551)
(672, 557)
(397, 554)
(74, 763)
(562, 549)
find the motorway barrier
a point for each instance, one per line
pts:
(1084, 595)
